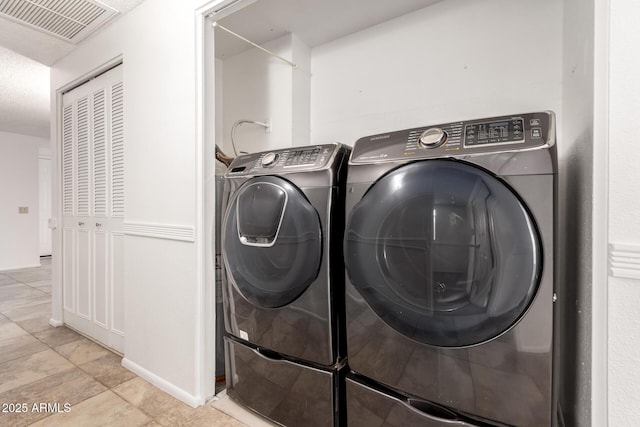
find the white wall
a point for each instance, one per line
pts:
(450, 61)
(259, 87)
(163, 308)
(19, 233)
(624, 128)
(624, 221)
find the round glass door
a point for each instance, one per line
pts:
(444, 253)
(272, 241)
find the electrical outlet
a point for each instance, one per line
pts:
(23, 209)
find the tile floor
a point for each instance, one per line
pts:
(43, 368)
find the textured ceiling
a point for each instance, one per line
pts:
(25, 57)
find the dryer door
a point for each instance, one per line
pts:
(271, 241)
(444, 253)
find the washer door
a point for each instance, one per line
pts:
(444, 253)
(272, 241)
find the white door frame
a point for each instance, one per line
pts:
(47, 245)
(205, 290)
(205, 191)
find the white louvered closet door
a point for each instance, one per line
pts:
(93, 208)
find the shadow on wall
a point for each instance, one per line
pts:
(574, 286)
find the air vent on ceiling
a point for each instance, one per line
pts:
(70, 20)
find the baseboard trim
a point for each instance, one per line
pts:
(55, 323)
(163, 384)
(19, 267)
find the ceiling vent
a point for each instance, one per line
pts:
(70, 20)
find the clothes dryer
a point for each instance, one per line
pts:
(449, 253)
(283, 282)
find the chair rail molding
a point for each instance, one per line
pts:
(183, 233)
(624, 260)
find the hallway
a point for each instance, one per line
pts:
(56, 377)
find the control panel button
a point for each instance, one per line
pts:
(498, 132)
(308, 157)
(269, 159)
(432, 138)
(536, 133)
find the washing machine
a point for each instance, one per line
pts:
(283, 282)
(450, 292)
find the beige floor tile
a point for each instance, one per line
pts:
(22, 270)
(105, 409)
(6, 280)
(224, 404)
(51, 376)
(27, 369)
(42, 285)
(28, 308)
(8, 330)
(185, 416)
(68, 387)
(82, 351)
(108, 370)
(19, 346)
(38, 283)
(36, 324)
(45, 288)
(54, 337)
(146, 397)
(30, 275)
(224, 420)
(17, 291)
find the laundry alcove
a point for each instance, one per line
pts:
(359, 68)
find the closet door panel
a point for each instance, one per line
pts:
(68, 270)
(84, 274)
(117, 151)
(100, 279)
(100, 177)
(100, 219)
(67, 161)
(68, 210)
(92, 154)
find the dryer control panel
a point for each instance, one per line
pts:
(491, 135)
(313, 157)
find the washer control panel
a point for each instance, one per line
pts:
(432, 138)
(305, 157)
(499, 132)
(269, 160)
(313, 157)
(506, 133)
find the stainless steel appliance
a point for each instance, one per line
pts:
(284, 283)
(449, 253)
